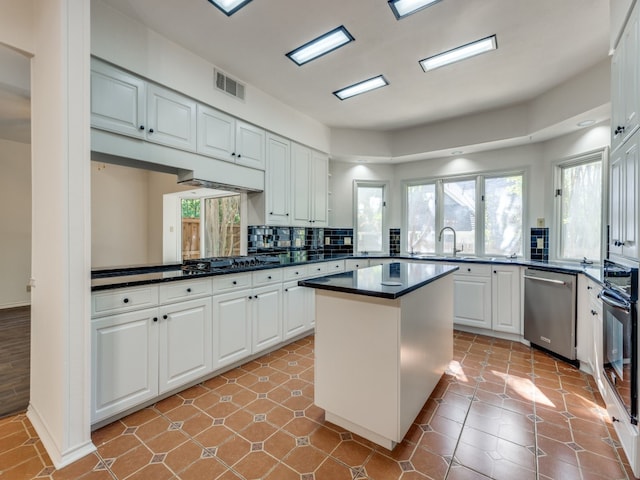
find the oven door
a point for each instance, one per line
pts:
(620, 349)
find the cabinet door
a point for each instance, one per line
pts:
(216, 134)
(267, 317)
(185, 351)
(472, 301)
(631, 64)
(250, 145)
(277, 180)
(319, 190)
(295, 307)
(630, 196)
(596, 316)
(300, 184)
(124, 362)
(117, 100)
(171, 118)
(505, 295)
(231, 327)
(584, 323)
(616, 224)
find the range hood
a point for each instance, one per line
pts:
(186, 177)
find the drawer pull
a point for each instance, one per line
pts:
(188, 290)
(297, 273)
(234, 282)
(269, 277)
(165, 316)
(468, 269)
(286, 289)
(126, 300)
(155, 319)
(594, 313)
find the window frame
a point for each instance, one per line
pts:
(479, 178)
(556, 236)
(384, 184)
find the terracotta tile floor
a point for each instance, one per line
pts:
(502, 411)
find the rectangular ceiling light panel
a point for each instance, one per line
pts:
(460, 53)
(229, 7)
(402, 8)
(361, 87)
(320, 46)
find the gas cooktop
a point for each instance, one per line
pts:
(228, 263)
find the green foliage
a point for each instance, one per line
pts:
(190, 208)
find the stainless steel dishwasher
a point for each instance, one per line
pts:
(550, 311)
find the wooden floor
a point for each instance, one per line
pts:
(15, 336)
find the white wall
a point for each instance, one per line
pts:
(129, 44)
(15, 223)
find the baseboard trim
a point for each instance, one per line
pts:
(6, 306)
(59, 458)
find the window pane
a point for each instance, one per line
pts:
(222, 226)
(369, 227)
(190, 228)
(460, 214)
(421, 218)
(503, 215)
(581, 211)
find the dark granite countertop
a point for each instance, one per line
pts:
(106, 278)
(391, 281)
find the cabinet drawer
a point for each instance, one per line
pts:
(177, 291)
(123, 300)
(473, 269)
(335, 266)
(265, 277)
(293, 273)
(225, 283)
(354, 264)
(317, 269)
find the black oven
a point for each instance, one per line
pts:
(620, 333)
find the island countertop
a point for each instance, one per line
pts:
(389, 281)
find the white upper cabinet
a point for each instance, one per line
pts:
(118, 101)
(226, 138)
(625, 74)
(623, 209)
(277, 181)
(171, 118)
(309, 186)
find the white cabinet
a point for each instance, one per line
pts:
(625, 74)
(472, 296)
(227, 138)
(309, 184)
(296, 306)
(231, 327)
(623, 209)
(128, 105)
(505, 299)
(118, 100)
(589, 328)
(124, 362)
(266, 313)
(277, 181)
(185, 351)
(356, 264)
(171, 118)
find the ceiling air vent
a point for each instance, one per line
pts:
(229, 85)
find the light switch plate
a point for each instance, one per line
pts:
(347, 240)
(540, 243)
(540, 222)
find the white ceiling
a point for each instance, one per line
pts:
(542, 43)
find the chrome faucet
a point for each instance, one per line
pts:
(455, 250)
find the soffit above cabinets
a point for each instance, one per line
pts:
(541, 45)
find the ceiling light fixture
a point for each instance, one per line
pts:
(320, 46)
(229, 7)
(361, 87)
(403, 8)
(585, 123)
(460, 53)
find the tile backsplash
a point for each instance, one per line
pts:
(394, 241)
(300, 241)
(540, 244)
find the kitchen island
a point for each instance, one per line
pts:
(384, 337)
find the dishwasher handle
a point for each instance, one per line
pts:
(614, 300)
(548, 280)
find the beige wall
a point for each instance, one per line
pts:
(15, 223)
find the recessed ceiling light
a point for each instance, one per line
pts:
(585, 123)
(229, 7)
(402, 8)
(320, 46)
(457, 152)
(361, 87)
(460, 53)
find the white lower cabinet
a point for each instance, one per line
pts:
(231, 327)
(472, 296)
(296, 309)
(185, 343)
(125, 361)
(505, 299)
(589, 328)
(266, 312)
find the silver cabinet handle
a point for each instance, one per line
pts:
(548, 280)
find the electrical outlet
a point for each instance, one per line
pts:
(540, 222)
(347, 240)
(540, 243)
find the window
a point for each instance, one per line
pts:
(486, 213)
(579, 208)
(370, 218)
